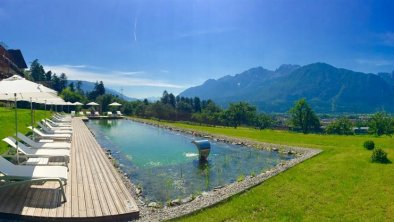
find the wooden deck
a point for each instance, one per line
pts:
(95, 190)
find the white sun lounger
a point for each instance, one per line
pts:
(109, 113)
(61, 119)
(50, 136)
(81, 113)
(57, 123)
(29, 152)
(49, 130)
(119, 113)
(96, 113)
(38, 145)
(16, 174)
(56, 127)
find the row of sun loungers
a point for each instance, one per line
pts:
(53, 145)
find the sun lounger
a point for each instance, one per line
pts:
(62, 118)
(29, 152)
(50, 136)
(56, 127)
(49, 130)
(57, 124)
(119, 113)
(109, 113)
(16, 174)
(81, 113)
(37, 145)
(96, 113)
(72, 113)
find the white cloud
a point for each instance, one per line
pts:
(118, 78)
(128, 73)
(205, 32)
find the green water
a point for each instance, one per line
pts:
(165, 163)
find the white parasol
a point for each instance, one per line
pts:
(17, 88)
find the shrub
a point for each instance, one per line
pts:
(369, 145)
(379, 156)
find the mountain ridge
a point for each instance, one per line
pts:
(327, 88)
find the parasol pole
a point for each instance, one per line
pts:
(16, 129)
(31, 112)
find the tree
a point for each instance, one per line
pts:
(341, 126)
(71, 86)
(171, 100)
(79, 84)
(63, 81)
(68, 95)
(263, 121)
(48, 75)
(37, 71)
(239, 113)
(165, 97)
(161, 111)
(104, 100)
(381, 123)
(196, 104)
(56, 85)
(98, 90)
(303, 117)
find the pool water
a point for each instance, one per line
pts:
(165, 163)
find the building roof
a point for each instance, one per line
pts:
(17, 58)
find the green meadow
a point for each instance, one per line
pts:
(7, 122)
(340, 184)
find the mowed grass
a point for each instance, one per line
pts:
(340, 184)
(7, 123)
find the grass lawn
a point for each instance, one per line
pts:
(340, 184)
(7, 123)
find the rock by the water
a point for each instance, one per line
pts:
(138, 191)
(187, 199)
(153, 205)
(175, 202)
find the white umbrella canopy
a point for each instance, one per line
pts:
(92, 104)
(24, 89)
(18, 88)
(77, 104)
(115, 104)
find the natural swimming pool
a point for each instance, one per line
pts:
(165, 163)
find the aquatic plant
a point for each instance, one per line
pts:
(240, 178)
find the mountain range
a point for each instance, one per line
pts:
(328, 89)
(87, 86)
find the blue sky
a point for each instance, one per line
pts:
(147, 46)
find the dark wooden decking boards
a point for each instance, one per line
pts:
(95, 191)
